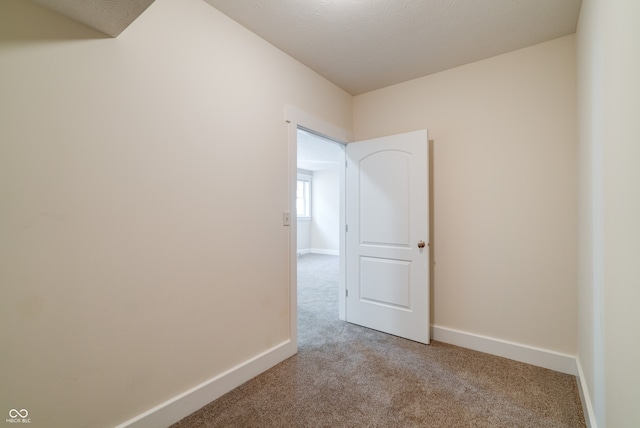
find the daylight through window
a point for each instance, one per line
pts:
(303, 197)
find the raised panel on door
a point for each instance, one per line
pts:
(376, 273)
(384, 198)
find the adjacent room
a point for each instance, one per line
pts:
(318, 194)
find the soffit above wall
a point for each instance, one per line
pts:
(363, 45)
(108, 16)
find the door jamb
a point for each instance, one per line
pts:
(295, 119)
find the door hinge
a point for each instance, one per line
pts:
(346, 292)
(346, 164)
(346, 227)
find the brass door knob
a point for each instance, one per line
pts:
(421, 244)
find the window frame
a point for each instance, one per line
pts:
(306, 178)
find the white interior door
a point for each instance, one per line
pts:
(387, 254)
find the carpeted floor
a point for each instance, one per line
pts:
(349, 376)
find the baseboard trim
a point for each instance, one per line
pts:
(514, 351)
(182, 405)
(587, 405)
(304, 251)
(326, 252)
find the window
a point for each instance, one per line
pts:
(303, 197)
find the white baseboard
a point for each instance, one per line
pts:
(304, 251)
(327, 252)
(182, 405)
(587, 405)
(514, 351)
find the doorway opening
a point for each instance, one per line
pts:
(388, 248)
(319, 171)
(319, 161)
(299, 120)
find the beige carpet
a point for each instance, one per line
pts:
(348, 376)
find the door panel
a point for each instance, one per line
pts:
(384, 198)
(375, 273)
(387, 215)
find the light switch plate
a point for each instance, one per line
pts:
(286, 218)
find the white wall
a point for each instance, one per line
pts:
(609, 99)
(124, 238)
(304, 236)
(504, 193)
(325, 225)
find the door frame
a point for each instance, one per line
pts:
(295, 119)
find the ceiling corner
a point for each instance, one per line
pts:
(107, 16)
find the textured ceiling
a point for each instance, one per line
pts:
(108, 16)
(363, 45)
(318, 154)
